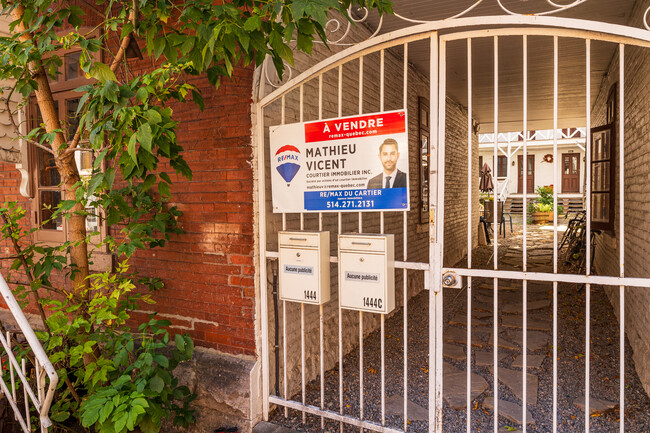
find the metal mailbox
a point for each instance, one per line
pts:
(367, 272)
(304, 266)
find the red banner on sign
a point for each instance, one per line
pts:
(361, 126)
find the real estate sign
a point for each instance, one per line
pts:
(347, 164)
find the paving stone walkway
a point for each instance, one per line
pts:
(510, 325)
(510, 356)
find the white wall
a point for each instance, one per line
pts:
(543, 170)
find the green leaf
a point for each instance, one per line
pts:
(131, 148)
(90, 415)
(280, 48)
(105, 411)
(161, 360)
(100, 71)
(95, 181)
(109, 177)
(164, 176)
(198, 99)
(153, 116)
(163, 189)
(59, 416)
(120, 422)
(141, 402)
(180, 342)
(156, 384)
(148, 425)
(100, 158)
(254, 22)
(144, 136)
(142, 94)
(148, 182)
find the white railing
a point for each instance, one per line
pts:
(502, 189)
(537, 135)
(42, 399)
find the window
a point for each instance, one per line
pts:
(424, 149)
(45, 176)
(603, 169)
(602, 178)
(502, 166)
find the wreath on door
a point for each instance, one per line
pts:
(548, 158)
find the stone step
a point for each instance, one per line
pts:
(535, 340)
(596, 405)
(453, 351)
(517, 321)
(486, 359)
(518, 308)
(457, 335)
(461, 319)
(510, 411)
(268, 427)
(514, 381)
(534, 361)
(503, 343)
(454, 388)
(395, 407)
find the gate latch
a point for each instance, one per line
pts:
(451, 280)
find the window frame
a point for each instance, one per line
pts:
(611, 191)
(502, 159)
(62, 92)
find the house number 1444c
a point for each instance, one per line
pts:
(373, 302)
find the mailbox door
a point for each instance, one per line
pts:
(299, 275)
(362, 282)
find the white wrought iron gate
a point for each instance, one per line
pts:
(293, 102)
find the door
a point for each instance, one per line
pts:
(570, 172)
(530, 186)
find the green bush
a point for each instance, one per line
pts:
(544, 202)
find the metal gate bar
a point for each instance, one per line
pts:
(470, 219)
(435, 304)
(495, 239)
(621, 246)
(524, 284)
(588, 248)
(340, 230)
(405, 258)
(314, 410)
(555, 270)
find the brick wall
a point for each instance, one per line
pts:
(417, 233)
(209, 270)
(636, 204)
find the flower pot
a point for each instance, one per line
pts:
(541, 217)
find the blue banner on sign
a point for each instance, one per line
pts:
(357, 199)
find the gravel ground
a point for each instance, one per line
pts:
(604, 375)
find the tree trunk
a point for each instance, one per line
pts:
(65, 164)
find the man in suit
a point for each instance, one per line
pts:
(391, 177)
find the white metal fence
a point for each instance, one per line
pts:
(25, 389)
(433, 269)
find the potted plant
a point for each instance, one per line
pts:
(541, 211)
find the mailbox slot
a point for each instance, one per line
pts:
(304, 267)
(367, 272)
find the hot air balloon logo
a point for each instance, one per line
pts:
(287, 160)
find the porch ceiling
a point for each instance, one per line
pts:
(571, 89)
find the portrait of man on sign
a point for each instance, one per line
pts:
(390, 177)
